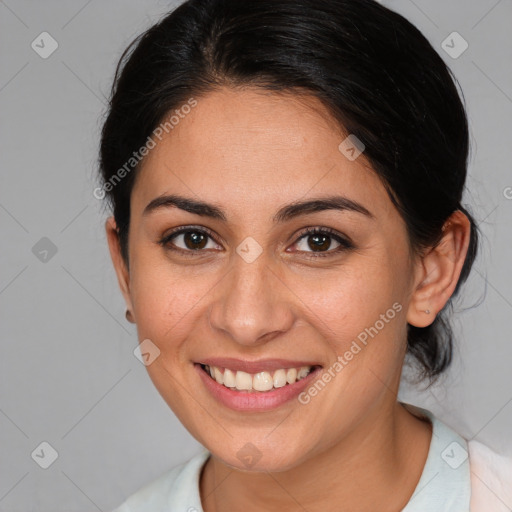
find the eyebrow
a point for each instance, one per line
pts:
(284, 214)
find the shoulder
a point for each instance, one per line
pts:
(491, 479)
(177, 487)
(154, 493)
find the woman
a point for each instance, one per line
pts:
(286, 180)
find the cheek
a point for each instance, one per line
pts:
(167, 302)
(349, 300)
(360, 314)
(362, 319)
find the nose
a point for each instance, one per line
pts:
(252, 304)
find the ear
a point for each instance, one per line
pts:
(437, 273)
(123, 275)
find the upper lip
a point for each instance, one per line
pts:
(261, 365)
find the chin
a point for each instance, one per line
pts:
(248, 458)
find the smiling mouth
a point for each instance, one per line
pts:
(257, 382)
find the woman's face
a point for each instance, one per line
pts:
(248, 284)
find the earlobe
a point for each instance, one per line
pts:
(123, 276)
(421, 312)
(439, 271)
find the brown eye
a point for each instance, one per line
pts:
(188, 240)
(194, 240)
(320, 241)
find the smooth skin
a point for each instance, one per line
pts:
(250, 152)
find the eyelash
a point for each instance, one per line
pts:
(344, 243)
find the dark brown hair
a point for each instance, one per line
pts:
(374, 71)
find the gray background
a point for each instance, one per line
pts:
(68, 373)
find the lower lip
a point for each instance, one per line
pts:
(258, 400)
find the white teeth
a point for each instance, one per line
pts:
(303, 372)
(243, 381)
(291, 375)
(218, 375)
(279, 378)
(229, 378)
(261, 381)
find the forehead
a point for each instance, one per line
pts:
(265, 147)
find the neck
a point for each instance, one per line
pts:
(375, 467)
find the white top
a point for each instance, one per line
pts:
(458, 476)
